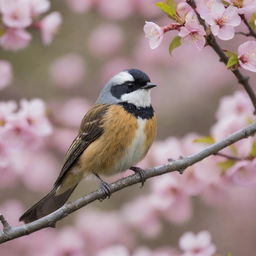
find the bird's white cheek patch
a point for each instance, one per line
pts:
(140, 98)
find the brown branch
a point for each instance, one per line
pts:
(11, 233)
(251, 31)
(211, 41)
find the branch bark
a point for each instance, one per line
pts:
(251, 31)
(176, 165)
(211, 41)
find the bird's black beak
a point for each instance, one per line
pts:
(149, 85)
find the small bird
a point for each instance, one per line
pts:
(114, 135)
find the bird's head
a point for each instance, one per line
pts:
(131, 86)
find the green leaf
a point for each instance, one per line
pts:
(170, 10)
(252, 21)
(224, 165)
(232, 61)
(229, 53)
(176, 42)
(205, 140)
(225, 2)
(172, 4)
(253, 150)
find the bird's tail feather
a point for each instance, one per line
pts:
(48, 204)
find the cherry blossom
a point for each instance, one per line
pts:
(242, 173)
(16, 13)
(116, 250)
(193, 33)
(223, 20)
(106, 40)
(197, 245)
(244, 6)
(38, 7)
(15, 39)
(49, 26)
(153, 33)
(5, 73)
(80, 6)
(247, 55)
(67, 71)
(115, 9)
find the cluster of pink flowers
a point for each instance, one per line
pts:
(19, 16)
(88, 237)
(220, 18)
(22, 131)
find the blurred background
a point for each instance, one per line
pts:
(96, 40)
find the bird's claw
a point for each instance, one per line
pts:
(141, 172)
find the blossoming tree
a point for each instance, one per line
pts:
(213, 167)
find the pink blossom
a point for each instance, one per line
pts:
(170, 199)
(197, 245)
(113, 9)
(242, 173)
(154, 34)
(204, 7)
(193, 33)
(237, 104)
(223, 20)
(247, 55)
(43, 175)
(67, 242)
(5, 73)
(49, 26)
(146, 220)
(15, 39)
(229, 125)
(244, 6)
(161, 151)
(34, 112)
(80, 6)
(93, 226)
(38, 7)
(68, 71)
(77, 106)
(106, 40)
(116, 250)
(62, 138)
(183, 9)
(16, 13)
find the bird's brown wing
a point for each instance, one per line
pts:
(91, 128)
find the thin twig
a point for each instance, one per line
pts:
(251, 31)
(243, 34)
(211, 41)
(229, 157)
(180, 164)
(6, 225)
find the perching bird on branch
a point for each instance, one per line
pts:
(115, 134)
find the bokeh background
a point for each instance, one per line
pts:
(96, 40)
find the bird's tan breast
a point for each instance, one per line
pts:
(125, 141)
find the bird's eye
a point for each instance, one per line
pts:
(130, 85)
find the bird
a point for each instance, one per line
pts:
(114, 135)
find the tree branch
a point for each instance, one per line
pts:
(251, 31)
(211, 41)
(176, 165)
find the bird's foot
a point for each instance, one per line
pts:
(105, 187)
(141, 172)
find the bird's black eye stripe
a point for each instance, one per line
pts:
(119, 90)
